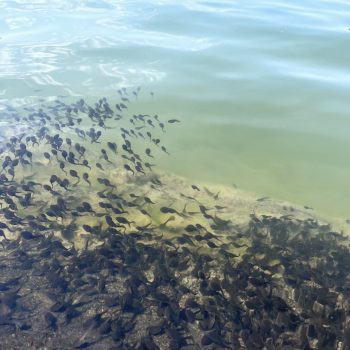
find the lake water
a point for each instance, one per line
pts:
(261, 87)
(243, 106)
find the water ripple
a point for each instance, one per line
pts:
(302, 71)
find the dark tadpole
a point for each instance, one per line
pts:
(124, 221)
(4, 286)
(34, 140)
(212, 245)
(149, 121)
(144, 212)
(191, 228)
(70, 313)
(47, 156)
(27, 235)
(112, 146)
(148, 200)
(104, 205)
(149, 166)
(86, 163)
(73, 173)
(184, 239)
(167, 210)
(87, 228)
(148, 152)
(9, 298)
(87, 207)
(54, 152)
(105, 155)
(99, 166)
(47, 188)
(58, 307)
(110, 221)
(164, 150)
(140, 169)
(68, 141)
(64, 154)
(51, 321)
(106, 182)
(86, 178)
(64, 184)
(11, 172)
(127, 167)
(117, 211)
(171, 218)
(53, 179)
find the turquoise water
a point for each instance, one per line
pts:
(261, 87)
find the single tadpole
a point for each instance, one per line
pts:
(127, 167)
(148, 152)
(112, 146)
(47, 156)
(86, 178)
(73, 173)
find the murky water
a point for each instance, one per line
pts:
(159, 162)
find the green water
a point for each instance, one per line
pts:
(261, 87)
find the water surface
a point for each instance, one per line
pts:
(261, 87)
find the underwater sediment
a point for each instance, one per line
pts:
(101, 251)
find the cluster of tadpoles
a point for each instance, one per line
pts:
(280, 283)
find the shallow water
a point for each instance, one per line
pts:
(261, 87)
(246, 101)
